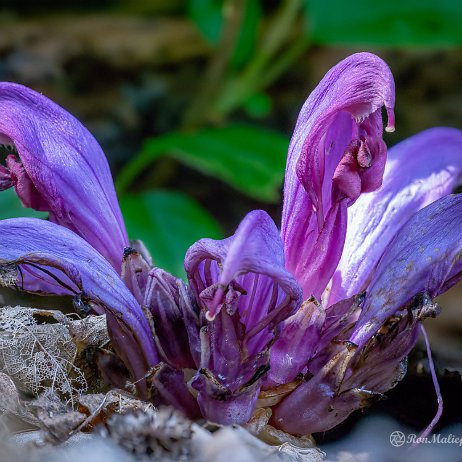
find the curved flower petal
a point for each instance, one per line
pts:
(424, 257)
(245, 291)
(300, 335)
(135, 271)
(419, 171)
(316, 405)
(58, 256)
(57, 166)
(336, 153)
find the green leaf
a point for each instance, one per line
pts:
(394, 22)
(258, 105)
(11, 207)
(251, 159)
(208, 16)
(248, 35)
(168, 223)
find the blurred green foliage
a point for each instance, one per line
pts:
(394, 22)
(251, 159)
(210, 16)
(11, 207)
(168, 223)
(251, 47)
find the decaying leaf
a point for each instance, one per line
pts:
(38, 356)
(89, 331)
(8, 274)
(45, 349)
(10, 402)
(99, 408)
(9, 397)
(57, 420)
(90, 336)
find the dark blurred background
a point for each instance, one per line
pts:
(194, 103)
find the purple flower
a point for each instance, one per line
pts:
(56, 165)
(314, 321)
(244, 292)
(372, 277)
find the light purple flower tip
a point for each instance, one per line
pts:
(57, 166)
(336, 153)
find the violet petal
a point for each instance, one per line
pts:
(244, 292)
(336, 153)
(62, 169)
(296, 344)
(254, 249)
(350, 378)
(135, 270)
(419, 171)
(424, 257)
(58, 256)
(170, 385)
(176, 319)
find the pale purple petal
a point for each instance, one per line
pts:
(316, 405)
(424, 257)
(59, 256)
(319, 258)
(300, 335)
(336, 153)
(60, 168)
(419, 171)
(217, 406)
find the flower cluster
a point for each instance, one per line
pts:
(313, 321)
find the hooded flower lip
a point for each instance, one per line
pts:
(412, 260)
(340, 349)
(336, 153)
(58, 258)
(255, 249)
(57, 166)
